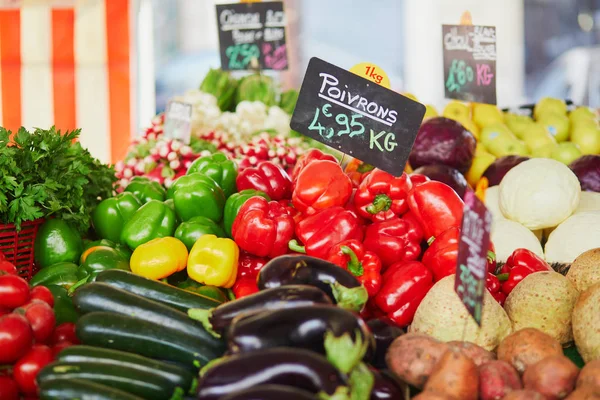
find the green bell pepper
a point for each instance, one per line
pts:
(99, 260)
(153, 220)
(213, 292)
(56, 241)
(235, 202)
(112, 214)
(218, 167)
(191, 230)
(146, 189)
(121, 249)
(64, 310)
(62, 274)
(197, 195)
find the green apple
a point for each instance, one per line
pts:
(518, 124)
(556, 124)
(587, 137)
(456, 110)
(544, 151)
(549, 105)
(538, 138)
(486, 114)
(496, 138)
(566, 152)
(430, 112)
(582, 113)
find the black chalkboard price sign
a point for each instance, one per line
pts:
(252, 35)
(356, 116)
(473, 245)
(470, 62)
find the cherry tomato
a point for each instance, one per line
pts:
(41, 318)
(58, 347)
(14, 291)
(16, 337)
(8, 267)
(42, 293)
(64, 333)
(27, 368)
(8, 388)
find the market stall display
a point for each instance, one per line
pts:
(171, 275)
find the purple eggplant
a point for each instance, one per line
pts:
(340, 334)
(271, 392)
(443, 141)
(384, 334)
(587, 169)
(445, 174)
(216, 320)
(386, 387)
(340, 285)
(298, 368)
(496, 171)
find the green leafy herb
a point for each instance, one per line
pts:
(44, 173)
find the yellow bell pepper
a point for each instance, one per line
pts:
(159, 258)
(213, 261)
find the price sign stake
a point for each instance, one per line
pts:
(474, 242)
(356, 116)
(178, 121)
(252, 30)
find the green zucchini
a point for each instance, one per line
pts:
(89, 354)
(121, 332)
(103, 297)
(147, 385)
(169, 295)
(61, 389)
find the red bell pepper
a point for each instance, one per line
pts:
(442, 254)
(321, 184)
(357, 171)
(382, 196)
(492, 284)
(244, 286)
(307, 158)
(320, 232)
(267, 177)
(417, 179)
(394, 240)
(365, 265)
(263, 228)
(521, 263)
(249, 265)
(405, 284)
(436, 206)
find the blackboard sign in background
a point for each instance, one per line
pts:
(356, 116)
(250, 31)
(470, 62)
(473, 245)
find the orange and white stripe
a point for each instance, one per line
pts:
(68, 63)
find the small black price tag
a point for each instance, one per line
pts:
(356, 116)
(474, 242)
(470, 62)
(252, 36)
(178, 121)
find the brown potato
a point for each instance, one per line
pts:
(455, 376)
(554, 377)
(497, 379)
(526, 347)
(590, 375)
(413, 356)
(524, 395)
(585, 393)
(478, 354)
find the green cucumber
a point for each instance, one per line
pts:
(89, 354)
(157, 291)
(121, 332)
(147, 385)
(61, 389)
(99, 296)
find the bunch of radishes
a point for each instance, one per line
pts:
(28, 337)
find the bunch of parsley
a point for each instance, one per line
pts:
(45, 173)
